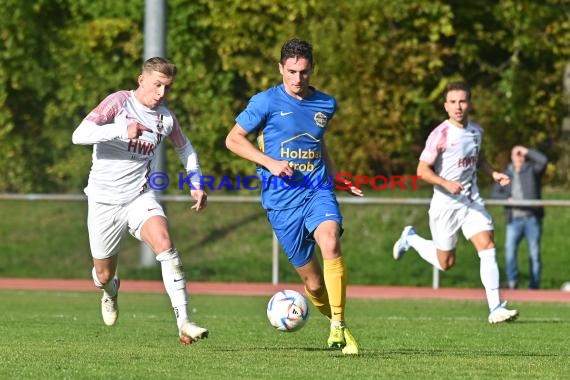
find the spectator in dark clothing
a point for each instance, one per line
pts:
(526, 170)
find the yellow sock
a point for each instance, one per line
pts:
(335, 282)
(321, 302)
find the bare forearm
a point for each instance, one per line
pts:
(486, 167)
(501, 178)
(331, 167)
(237, 142)
(245, 149)
(426, 173)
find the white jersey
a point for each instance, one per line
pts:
(121, 166)
(453, 153)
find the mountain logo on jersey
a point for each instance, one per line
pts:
(302, 152)
(321, 119)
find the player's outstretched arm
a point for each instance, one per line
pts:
(427, 174)
(237, 142)
(99, 125)
(189, 159)
(501, 178)
(342, 183)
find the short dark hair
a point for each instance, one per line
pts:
(457, 86)
(296, 48)
(162, 65)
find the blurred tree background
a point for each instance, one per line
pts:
(386, 62)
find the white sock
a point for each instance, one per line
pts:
(426, 249)
(109, 289)
(489, 272)
(175, 283)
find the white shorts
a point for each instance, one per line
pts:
(107, 223)
(445, 224)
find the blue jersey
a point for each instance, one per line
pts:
(290, 129)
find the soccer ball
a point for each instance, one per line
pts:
(288, 310)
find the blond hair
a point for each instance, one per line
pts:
(162, 65)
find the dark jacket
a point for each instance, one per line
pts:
(530, 175)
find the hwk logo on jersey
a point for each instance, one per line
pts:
(321, 119)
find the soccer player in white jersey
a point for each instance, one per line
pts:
(449, 162)
(125, 130)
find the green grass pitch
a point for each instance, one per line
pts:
(60, 335)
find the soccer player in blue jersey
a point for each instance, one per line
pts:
(290, 121)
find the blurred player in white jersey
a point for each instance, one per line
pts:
(449, 162)
(125, 130)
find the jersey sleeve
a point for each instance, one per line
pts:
(186, 152)
(255, 114)
(435, 145)
(99, 125)
(106, 111)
